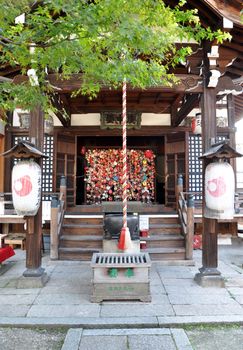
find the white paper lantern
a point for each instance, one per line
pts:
(26, 187)
(196, 124)
(219, 190)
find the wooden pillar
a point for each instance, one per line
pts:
(1, 164)
(34, 224)
(190, 227)
(179, 188)
(8, 161)
(209, 275)
(209, 134)
(231, 124)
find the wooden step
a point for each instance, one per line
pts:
(165, 253)
(80, 229)
(163, 219)
(164, 229)
(78, 241)
(85, 208)
(117, 207)
(165, 241)
(81, 254)
(83, 219)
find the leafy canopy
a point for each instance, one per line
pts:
(106, 40)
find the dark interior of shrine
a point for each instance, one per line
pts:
(148, 152)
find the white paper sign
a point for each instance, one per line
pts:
(143, 222)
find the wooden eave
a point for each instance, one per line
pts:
(178, 99)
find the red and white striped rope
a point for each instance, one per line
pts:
(124, 153)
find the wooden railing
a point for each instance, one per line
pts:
(186, 216)
(58, 206)
(57, 210)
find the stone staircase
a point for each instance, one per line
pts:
(82, 235)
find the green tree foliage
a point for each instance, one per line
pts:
(106, 40)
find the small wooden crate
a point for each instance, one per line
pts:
(118, 276)
(16, 239)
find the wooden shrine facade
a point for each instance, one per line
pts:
(177, 102)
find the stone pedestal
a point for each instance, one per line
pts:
(33, 278)
(209, 278)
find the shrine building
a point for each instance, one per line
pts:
(168, 129)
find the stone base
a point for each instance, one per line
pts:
(32, 282)
(110, 246)
(209, 280)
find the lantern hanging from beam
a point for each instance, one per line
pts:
(219, 190)
(26, 187)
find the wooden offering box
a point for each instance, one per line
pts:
(119, 276)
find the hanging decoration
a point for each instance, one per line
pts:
(103, 175)
(219, 190)
(26, 187)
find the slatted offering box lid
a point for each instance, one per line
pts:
(121, 268)
(120, 260)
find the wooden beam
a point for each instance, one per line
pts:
(191, 102)
(234, 70)
(175, 105)
(187, 82)
(156, 130)
(60, 102)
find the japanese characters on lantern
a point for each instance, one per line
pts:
(103, 175)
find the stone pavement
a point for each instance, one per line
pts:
(176, 301)
(127, 339)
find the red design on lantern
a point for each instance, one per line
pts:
(217, 187)
(23, 186)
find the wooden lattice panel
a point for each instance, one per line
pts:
(195, 164)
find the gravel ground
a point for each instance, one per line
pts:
(220, 338)
(31, 339)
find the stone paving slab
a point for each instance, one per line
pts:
(197, 290)
(17, 299)
(203, 299)
(127, 339)
(236, 290)
(148, 342)
(62, 299)
(209, 310)
(14, 310)
(103, 343)
(66, 289)
(64, 311)
(85, 322)
(18, 291)
(179, 321)
(136, 310)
